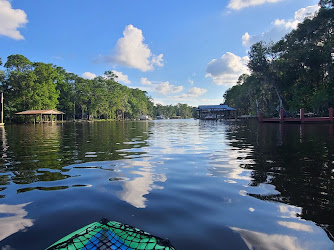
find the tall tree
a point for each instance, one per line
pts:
(298, 69)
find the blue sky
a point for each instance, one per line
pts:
(187, 51)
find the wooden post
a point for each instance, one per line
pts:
(281, 115)
(302, 117)
(260, 116)
(331, 115)
(41, 118)
(62, 118)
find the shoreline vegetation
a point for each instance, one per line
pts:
(38, 86)
(295, 72)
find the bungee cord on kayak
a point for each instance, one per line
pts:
(107, 234)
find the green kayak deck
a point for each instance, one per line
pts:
(107, 234)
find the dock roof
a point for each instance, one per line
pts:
(41, 112)
(220, 107)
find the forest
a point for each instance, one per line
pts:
(295, 72)
(36, 86)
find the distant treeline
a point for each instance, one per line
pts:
(169, 111)
(36, 86)
(296, 72)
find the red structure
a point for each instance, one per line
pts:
(301, 119)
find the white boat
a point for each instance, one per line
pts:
(145, 117)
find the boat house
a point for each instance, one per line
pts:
(48, 114)
(216, 112)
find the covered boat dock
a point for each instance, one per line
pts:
(216, 112)
(45, 115)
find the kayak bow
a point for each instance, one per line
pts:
(107, 234)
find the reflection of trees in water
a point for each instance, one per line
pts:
(38, 153)
(300, 164)
(31, 148)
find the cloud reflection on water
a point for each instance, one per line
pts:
(15, 221)
(134, 190)
(295, 226)
(257, 240)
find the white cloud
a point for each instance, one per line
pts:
(88, 75)
(195, 92)
(191, 94)
(167, 88)
(157, 60)
(307, 12)
(280, 27)
(191, 82)
(245, 39)
(10, 20)
(145, 81)
(227, 69)
(121, 77)
(167, 100)
(130, 51)
(240, 4)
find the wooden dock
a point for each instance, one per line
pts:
(301, 119)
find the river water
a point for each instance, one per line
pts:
(201, 184)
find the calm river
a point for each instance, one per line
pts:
(203, 185)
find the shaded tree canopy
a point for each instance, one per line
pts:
(295, 72)
(36, 85)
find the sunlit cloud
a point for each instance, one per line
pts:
(11, 20)
(121, 77)
(167, 88)
(145, 81)
(192, 93)
(280, 27)
(132, 52)
(240, 4)
(88, 75)
(227, 69)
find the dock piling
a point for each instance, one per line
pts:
(302, 116)
(281, 114)
(260, 116)
(331, 115)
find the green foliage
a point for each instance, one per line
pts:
(18, 63)
(169, 111)
(296, 72)
(34, 85)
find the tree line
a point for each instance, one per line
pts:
(36, 86)
(295, 72)
(169, 111)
